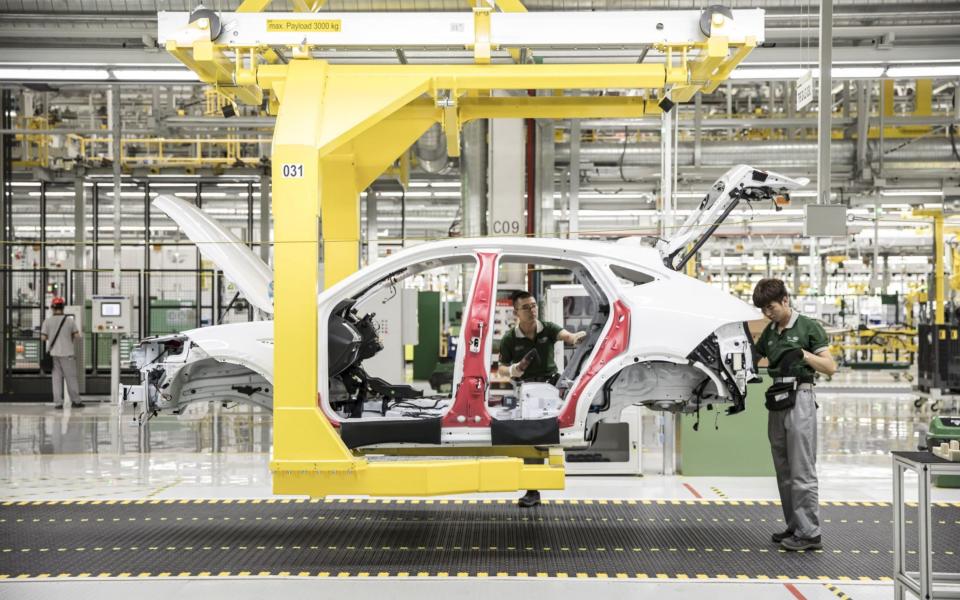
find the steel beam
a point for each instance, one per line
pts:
(60, 56)
(825, 103)
(573, 196)
(863, 127)
(265, 194)
(418, 30)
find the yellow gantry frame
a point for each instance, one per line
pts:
(338, 128)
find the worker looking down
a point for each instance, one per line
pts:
(797, 348)
(526, 354)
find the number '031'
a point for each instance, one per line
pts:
(291, 171)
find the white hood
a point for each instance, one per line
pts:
(238, 262)
(246, 344)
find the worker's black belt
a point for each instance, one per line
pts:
(799, 380)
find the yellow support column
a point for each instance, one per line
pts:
(301, 433)
(340, 215)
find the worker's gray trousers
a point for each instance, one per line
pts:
(793, 441)
(65, 367)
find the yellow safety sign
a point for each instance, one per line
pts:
(304, 25)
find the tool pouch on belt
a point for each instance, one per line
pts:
(781, 396)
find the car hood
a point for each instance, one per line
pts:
(238, 262)
(246, 344)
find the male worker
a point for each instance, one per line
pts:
(58, 332)
(796, 346)
(526, 353)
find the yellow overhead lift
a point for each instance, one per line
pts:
(339, 126)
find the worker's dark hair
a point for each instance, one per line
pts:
(769, 290)
(520, 295)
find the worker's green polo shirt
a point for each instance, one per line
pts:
(514, 345)
(800, 332)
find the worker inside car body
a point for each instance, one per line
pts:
(527, 354)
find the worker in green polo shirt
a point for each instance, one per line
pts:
(797, 348)
(526, 353)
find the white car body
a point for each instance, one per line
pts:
(664, 340)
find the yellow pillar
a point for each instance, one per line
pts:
(301, 433)
(340, 215)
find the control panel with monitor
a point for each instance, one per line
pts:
(111, 314)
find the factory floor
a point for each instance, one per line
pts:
(91, 453)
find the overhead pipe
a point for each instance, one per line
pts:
(431, 151)
(795, 154)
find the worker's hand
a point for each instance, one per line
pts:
(790, 358)
(578, 337)
(516, 371)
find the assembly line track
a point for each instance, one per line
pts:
(626, 539)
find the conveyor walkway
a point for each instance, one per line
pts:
(448, 538)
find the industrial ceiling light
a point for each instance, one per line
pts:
(154, 75)
(854, 73)
(767, 73)
(911, 192)
(925, 71)
(22, 74)
(775, 73)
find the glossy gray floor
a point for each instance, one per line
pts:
(91, 453)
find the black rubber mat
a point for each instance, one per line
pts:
(449, 538)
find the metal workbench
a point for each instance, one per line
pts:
(926, 583)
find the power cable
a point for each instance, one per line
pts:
(623, 154)
(951, 130)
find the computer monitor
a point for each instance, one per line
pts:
(110, 309)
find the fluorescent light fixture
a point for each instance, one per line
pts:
(767, 73)
(50, 194)
(599, 214)
(854, 73)
(424, 194)
(911, 193)
(435, 184)
(154, 75)
(19, 74)
(925, 71)
(795, 73)
(615, 196)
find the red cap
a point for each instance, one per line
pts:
(57, 302)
